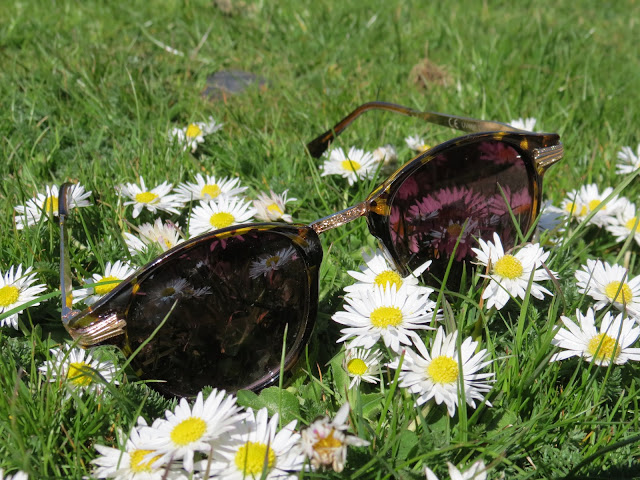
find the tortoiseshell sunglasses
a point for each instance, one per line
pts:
(218, 305)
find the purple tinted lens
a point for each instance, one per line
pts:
(459, 194)
(233, 298)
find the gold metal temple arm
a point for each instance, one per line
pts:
(320, 144)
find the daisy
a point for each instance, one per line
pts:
(390, 314)
(625, 223)
(16, 289)
(218, 214)
(44, 204)
(157, 198)
(78, 370)
(258, 450)
(593, 199)
(358, 164)
(325, 441)
(477, 471)
(191, 136)
(270, 207)
(385, 154)
(19, 475)
(611, 344)
(510, 273)
(609, 285)
(208, 188)
(573, 206)
(437, 374)
(527, 124)
(416, 143)
(186, 430)
(267, 263)
(362, 365)
(132, 463)
(378, 271)
(629, 161)
(159, 234)
(100, 285)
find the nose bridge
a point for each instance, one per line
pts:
(340, 218)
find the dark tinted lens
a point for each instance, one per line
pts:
(233, 298)
(459, 194)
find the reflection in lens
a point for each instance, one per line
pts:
(233, 298)
(456, 198)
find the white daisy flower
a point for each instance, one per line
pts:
(510, 273)
(357, 165)
(99, 285)
(19, 475)
(416, 143)
(133, 462)
(379, 271)
(325, 441)
(609, 285)
(45, 204)
(159, 234)
(629, 161)
(387, 157)
(78, 370)
(186, 430)
(362, 365)
(258, 450)
(527, 124)
(593, 199)
(16, 289)
(390, 314)
(157, 198)
(224, 212)
(270, 207)
(611, 344)
(191, 136)
(477, 471)
(625, 223)
(573, 206)
(436, 374)
(208, 188)
(267, 263)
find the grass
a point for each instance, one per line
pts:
(87, 93)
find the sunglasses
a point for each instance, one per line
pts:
(234, 307)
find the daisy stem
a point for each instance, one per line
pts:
(423, 414)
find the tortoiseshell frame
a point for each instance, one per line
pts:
(103, 320)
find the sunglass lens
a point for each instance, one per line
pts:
(227, 301)
(458, 196)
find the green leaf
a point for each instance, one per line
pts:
(340, 376)
(275, 400)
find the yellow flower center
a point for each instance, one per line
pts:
(252, 457)
(188, 431)
(167, 292)
(146, 197)
(193, 131)
(508, 267)
(388, 277)
(606, 347)
(618, 292)
(275, 208)
(454, 230)
(8, 295)
(424, 147)
(350, 165)
(593, 204)
(106, 285)
(50, 204)
(327, 443)
(573, 209)
(137, 463)
(357, 366)
(79, 374)
(221, 219)
(443, 370)
(631, 224)
(212, 190)
(383, 317)
(272, 261)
